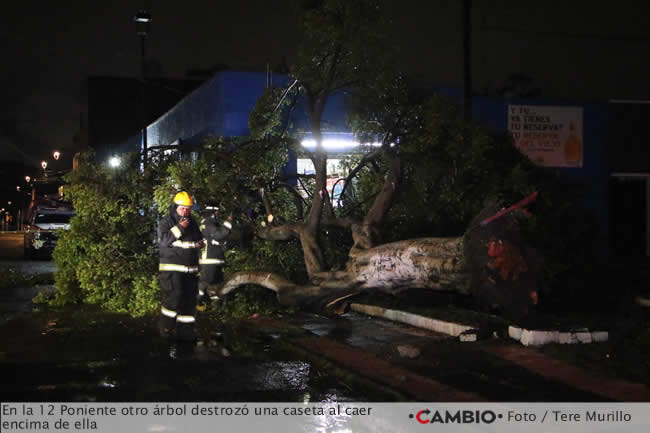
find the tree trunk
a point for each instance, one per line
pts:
(489, 262)
(427, 263)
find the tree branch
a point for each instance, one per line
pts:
(384, 199)
(267, 203)
(366, 158)
(298, 199)
(279, 233)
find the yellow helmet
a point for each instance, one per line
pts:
(183, 199)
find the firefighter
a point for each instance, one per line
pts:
(212, 257)
(180, 243)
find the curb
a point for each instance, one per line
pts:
(466, 333)
(529, 337)
(450, 328)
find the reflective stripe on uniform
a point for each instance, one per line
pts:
(228, 225)
(185, 319)
(181, 244)
(211, 262)
(176, 231)
(178, 268)
(215, 242)
(201, 292)
(168, 313)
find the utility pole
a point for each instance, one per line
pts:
(142, 22)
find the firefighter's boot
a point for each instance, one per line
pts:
(185, 332)
(166, 326)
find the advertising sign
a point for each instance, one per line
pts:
(549, 136)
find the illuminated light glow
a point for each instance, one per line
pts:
(336, 144)
(114, 161)
(44, 164)
(56, 155)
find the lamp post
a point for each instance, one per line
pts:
(142, 23)
(114, 161)
(21, 212)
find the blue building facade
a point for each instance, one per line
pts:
(221, 107)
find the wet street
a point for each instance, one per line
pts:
(30, 266)
(86, 355)
(83, 354)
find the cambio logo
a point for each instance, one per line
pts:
(425, 416)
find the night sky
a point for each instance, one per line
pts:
(573, 50)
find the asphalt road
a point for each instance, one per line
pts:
(30, 266)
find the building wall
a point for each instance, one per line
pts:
(115, 110)
(200, 112)
(221, 107)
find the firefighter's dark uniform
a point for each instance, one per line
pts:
(213, 256)
(179, 266)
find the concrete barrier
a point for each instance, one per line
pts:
(449, 328)
(529, 337)
(12, 244)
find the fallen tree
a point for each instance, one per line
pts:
(489, 262)
(338, 51)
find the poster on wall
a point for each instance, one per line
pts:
(549, 136)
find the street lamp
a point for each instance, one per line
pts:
(56, 155)
(114, 161)
(142, 23)
(44, 165)
(27, 179)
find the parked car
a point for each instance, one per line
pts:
(40, 239)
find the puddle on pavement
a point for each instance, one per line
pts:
(84, 354)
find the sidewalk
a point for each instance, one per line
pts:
(427, 366)
(83, 354)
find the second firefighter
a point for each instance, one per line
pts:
(212, 258)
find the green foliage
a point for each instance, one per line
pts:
(226, 171)
(268, 117)
(108, 256)
(341, 44)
